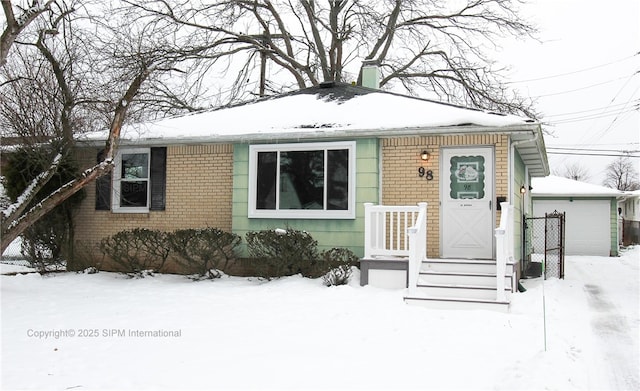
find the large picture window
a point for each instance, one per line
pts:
(314, 180)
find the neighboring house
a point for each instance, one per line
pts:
(310, 160)
(630, 206)
(591, 222)
(630, 216)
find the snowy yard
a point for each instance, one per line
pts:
(105, 331)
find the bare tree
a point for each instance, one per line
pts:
(622, 174)
(93, 66)
(420, 45)
(574, 171)
(17, 22)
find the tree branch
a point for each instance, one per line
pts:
(16, 25)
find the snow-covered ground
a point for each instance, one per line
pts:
(106, 331)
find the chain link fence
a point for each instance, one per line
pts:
(13, 255)
(630, 232)
(544, 246)
(13, 252)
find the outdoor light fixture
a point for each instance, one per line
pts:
(523, 189)
(424, 155)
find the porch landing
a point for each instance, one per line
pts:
(444, 283)
(395, 256)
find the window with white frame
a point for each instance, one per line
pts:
(131, 181)
(311, 180)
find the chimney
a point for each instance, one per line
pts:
(370, 74)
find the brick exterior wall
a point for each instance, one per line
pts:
(198, 195)
(401, 184)
(199, 187)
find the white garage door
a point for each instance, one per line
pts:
(587, 227)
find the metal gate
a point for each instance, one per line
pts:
(544, 246)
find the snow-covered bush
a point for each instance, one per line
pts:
(336, 265)
(204, 250)
(90, 270)
(337, 276)
(339, 256)
(137, 250)
(47, 244)
(282, 252)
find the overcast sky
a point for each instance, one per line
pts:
(584, 75)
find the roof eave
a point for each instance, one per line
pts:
(296, 134)
(533, 152)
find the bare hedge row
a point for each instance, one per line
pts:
(208, 251)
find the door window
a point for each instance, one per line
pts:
(467, 177)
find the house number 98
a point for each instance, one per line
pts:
(422, 173)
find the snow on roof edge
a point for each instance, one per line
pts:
(320, 133)
(344, 108)
(555, 186)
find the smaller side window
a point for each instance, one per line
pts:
(131, 181)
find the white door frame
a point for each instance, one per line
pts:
(486, 234)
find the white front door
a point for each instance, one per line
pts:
(467, 203)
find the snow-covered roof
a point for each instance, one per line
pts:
(332, 110)
(635, 193)
(555, 186)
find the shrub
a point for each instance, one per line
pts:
(337, 264)
(86, 255)
(49, 241)
(283, 252)
(337, 276)
(205, 250)
(138, 250)
(42, 246)
(340, 256)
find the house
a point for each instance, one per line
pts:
(311, 160)
(591, 221)
(630, 218)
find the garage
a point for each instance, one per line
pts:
(591, 213)
(587, 224)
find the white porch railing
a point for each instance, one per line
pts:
(397, 231)
(385, 230)
(417, 247)
(504, 247)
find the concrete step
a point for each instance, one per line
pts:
(473, 279)
(456, 304)
(460, 291)
(464, 266)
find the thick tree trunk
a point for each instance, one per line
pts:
(17, 226)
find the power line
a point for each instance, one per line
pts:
(574, 72)
(595, 116)
(586, 87)
(594, 149)
(628, 102)
(601, 144)
(592, 154)
(589, 110)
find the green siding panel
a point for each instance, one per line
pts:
(519, 179)
(367, 180)
(614, 228)
(367, 165)
(329, 233)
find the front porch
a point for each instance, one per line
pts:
(396, 257)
